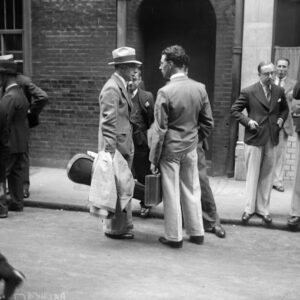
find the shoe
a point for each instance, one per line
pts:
(172, 244)
(145, 211)
(124, 236)
(197, 239)
(266, 218)
(12, 283)
(15, 207)
(294, 221)
(246, 217)
(219, 231)
(26, 192)
(3, 212)
(278, 188)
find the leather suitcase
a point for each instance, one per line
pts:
(153, 190)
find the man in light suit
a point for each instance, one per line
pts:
(115, 129)
(16, 106)
(281, 79)
(267, 110)
(142, 117)
(180, 110)
(294, 220)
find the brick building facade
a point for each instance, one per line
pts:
(71, 45)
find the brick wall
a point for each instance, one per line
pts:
(72, 43)
(290, 163)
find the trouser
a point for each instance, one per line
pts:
(180, 194)
(209, 208)
(141, 165)
(122, 221)
(295, 205)
(280, 156)
(14, 174)
(259, 178)
(3, 203)
(25, 167)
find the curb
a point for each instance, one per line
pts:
(230, 221)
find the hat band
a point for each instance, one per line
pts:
(124, 58)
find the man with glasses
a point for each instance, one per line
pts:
(267, 110)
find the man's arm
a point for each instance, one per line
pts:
(206, 122)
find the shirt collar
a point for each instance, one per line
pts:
(176, 75)
(10, 86)
(134, 93)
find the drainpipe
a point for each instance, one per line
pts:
(236, 82)
(121, 22)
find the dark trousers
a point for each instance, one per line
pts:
(3, 203)
(141, 165)
(209, 209)
(14, 174)
(25, 167)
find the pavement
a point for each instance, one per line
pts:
(51, 188)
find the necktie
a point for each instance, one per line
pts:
(279, 82)
(268, 90)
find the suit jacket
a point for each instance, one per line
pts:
(36, 97)
(4, 150)
(181, 108)
(16, 106)
(295, 107)
(288, 126)
(114, 125)
(262, 111)
(142, 122)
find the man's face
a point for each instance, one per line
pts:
(128, 71)
(134, 83)
(165, 67)
(282, 68)
(266, 74)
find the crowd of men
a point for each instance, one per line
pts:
(167, 136)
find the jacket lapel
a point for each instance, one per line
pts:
(260, 95)
(122, 90)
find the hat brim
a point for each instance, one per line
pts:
(126, 62)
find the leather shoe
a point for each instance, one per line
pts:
(197, 239)
(14, 281)
(172, 244)
(219, 231)
(124, 236)
(278, 188)
(246, 217)
(15, 207)
(266, 218)
(294, 221)
(3, 212)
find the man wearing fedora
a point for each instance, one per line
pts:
(16, 107)
(115, 132)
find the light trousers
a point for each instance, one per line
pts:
(295, 205)
(280, 156)
(259, 178)
(181, 194)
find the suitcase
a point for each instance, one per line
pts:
(79, 170)
(153, 190)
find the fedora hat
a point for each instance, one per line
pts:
(8, 67)
(124, 55)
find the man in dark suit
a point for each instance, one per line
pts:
(16, 107)
(282, 79)
(294, 219)
(267, 110)
(115, 131)
(142, 117)
(37, 99)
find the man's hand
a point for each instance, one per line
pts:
(153, 169)
(253, 124)
(280, 123)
